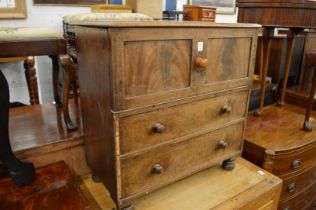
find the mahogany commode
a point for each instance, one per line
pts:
(162, 100)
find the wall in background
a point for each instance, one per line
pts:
(51, 16)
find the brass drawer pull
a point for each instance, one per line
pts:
(296, 164)
(158, 128)
(157, 169)
(226, 109)
(222, 144)
(291, 187)
(201, 62)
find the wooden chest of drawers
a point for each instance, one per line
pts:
(276, 142)
(197, 13)
(161, 101)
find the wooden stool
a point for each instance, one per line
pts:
(310, 62)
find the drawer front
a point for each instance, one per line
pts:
(163, 165)
(151, 128)
(296, 161)
(303, 200)
(298, 183)
(208, 13)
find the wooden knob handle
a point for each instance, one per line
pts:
(222, 144)
(226, 109)
(296, 164)
(157, 169)
(291, 187)
(158, 128)
(201, 62)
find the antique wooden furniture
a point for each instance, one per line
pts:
(276, 142)
(294, 14)
(54, 187)
(247, 187)
(30, 75)
(310, 62)
(162, 90)
(198, 13)
(37, 42)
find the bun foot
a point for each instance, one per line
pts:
(307, 126)
(228, 165)
(96, 178)
(257, 113)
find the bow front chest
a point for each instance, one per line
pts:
(161, 101)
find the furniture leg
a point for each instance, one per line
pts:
(305, 78)
(68, 78)
(55, 72)
(266, 42)
(289, 55)
(21, 172)
(31, 79)
(307, 123)
(75, 85)
(228, 164)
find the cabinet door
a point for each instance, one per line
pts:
(150, 65)
(158, 65)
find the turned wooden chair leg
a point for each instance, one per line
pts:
(307, 123)
(55, 72)
(69, 76)
(31, 79)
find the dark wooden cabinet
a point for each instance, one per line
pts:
(161, 100)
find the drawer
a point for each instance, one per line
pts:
(298, 183)
(290, 162)
(208, 13)
(303, 200)
(163, 165)
(151, 128)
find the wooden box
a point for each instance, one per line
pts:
(162, 100)
(197, 13)
(152, 8)
(248, 187)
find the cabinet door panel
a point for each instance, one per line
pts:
(156, 66)
(228, 59)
